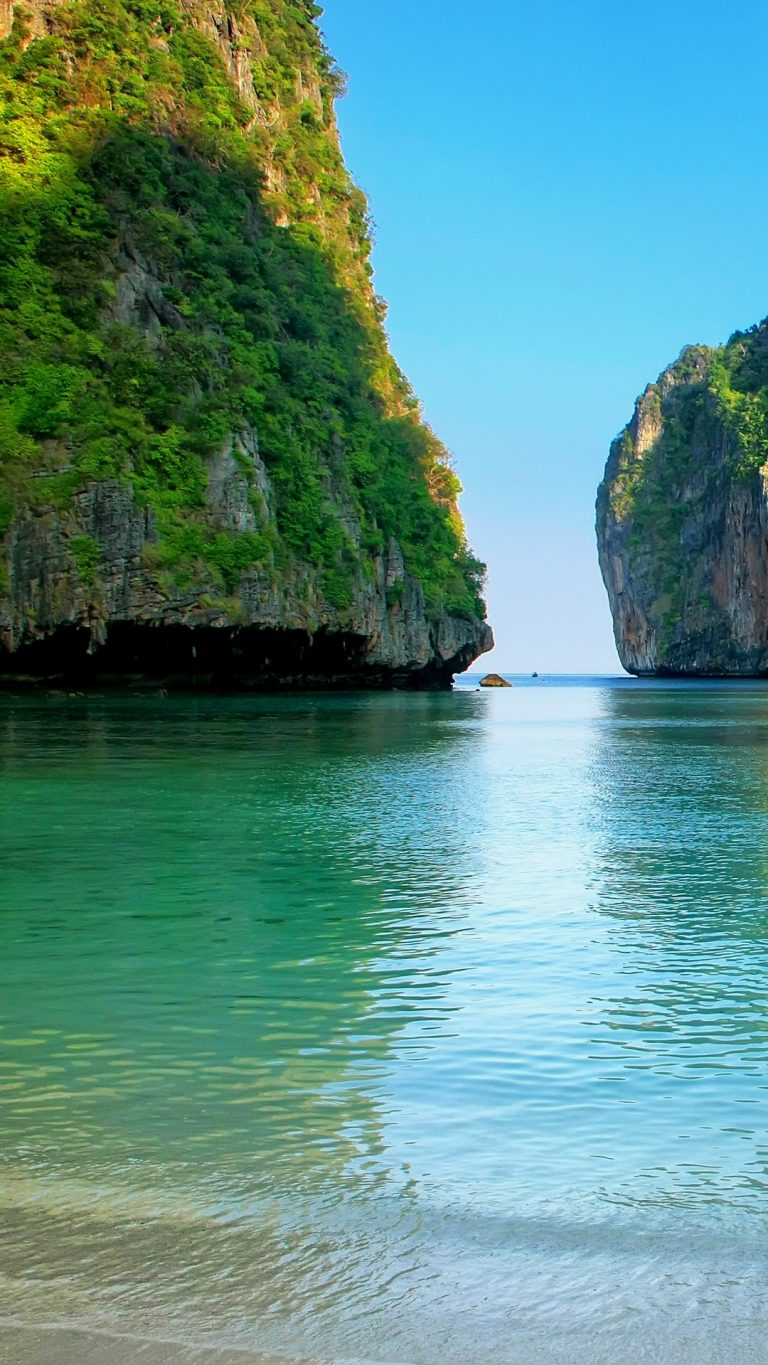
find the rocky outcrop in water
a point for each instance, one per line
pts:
(682, 517)
(211, 469)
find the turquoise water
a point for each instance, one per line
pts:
(407, 1029)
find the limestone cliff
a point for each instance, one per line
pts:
(210, 465)
(682, 517)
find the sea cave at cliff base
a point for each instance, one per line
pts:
(209, 658)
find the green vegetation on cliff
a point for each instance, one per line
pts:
(710, 397)
(144, 140)
(680, 515)
(709, 417)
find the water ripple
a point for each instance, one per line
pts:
(407, 1029)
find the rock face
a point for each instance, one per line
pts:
(211, 470)
(494, 680)
(682, 517)
(113, 618)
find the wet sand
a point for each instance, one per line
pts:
(57, 1345)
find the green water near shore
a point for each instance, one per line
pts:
(390, 1028)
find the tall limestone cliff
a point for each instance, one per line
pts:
(682, 517)
(210, 465)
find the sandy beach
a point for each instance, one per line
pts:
(56, 1345)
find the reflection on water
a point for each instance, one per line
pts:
(215, 906)
(682, 869)
(409, 1028)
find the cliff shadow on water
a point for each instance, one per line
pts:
(211, 468)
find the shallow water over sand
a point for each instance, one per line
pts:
(386, 1028)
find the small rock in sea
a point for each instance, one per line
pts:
(494, 680)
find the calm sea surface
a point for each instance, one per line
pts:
(425, 1029)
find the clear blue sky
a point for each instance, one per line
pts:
(565, 193)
